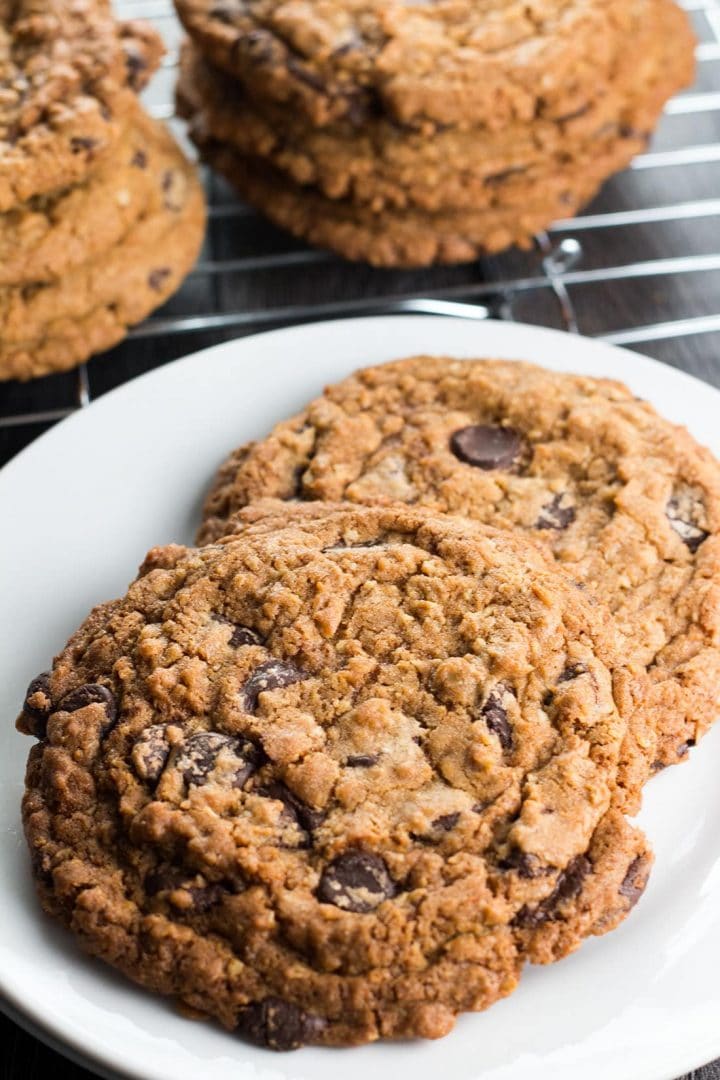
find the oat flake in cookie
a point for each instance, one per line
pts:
(335, 779)
(628, 502)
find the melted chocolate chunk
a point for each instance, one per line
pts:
(356, 881)
(495, 716)
(568, 886)
(150, 753)
(199, 758)
(139, 159)
(272, 675)
(572, 671)
(241, 635)
(278, 1025)
(294, 808)
(446, 822)
(38, 705)
(554, 515)
(91, 694)
(157, 278)
(169, 878)
(528, 866)
(78, 143)
(362, 761)
(680, 511)
(634, 883)
(487, 447)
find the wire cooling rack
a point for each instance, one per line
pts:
(640, 267)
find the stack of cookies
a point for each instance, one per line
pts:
(340, 771)
(101, 215)
(406, 134)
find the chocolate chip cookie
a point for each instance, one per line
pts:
(446, 62)
(627, 502)
(335, 779)
(519, 206)
(47, 236)
(385, 164)
(68, 76)
(54, 325)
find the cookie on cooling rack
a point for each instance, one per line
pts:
(627, 502)
(335, 779)
(104, 255)
(68, 75)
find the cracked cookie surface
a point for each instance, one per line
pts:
(337, 778)
(627, 502)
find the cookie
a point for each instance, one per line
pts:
(386, 164)
(335, 779)
(68, 76)
(42, 239)
(52, 326)
(447, 62)
(627, 502)
(519, 206)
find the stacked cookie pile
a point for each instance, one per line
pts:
(409, 134)
(101, 216)
(340, 771)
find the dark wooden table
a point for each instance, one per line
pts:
(647, 275)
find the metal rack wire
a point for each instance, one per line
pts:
(648, 246)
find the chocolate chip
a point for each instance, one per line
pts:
(223, 14)
(136, 65)
(278, 1025)
(487, 447)
(634, 883)
(446, 822)
(506, 174)
(157, 278)
(241, 635)
(91, 694)
(139, 159)
(555, 516)
(150, 753)
(685, 747)
(362, 761)
(272, 675)
(572, 671)
(82, 142)
(356, 881)
(568, 886)
(169, 878)
(495, 716)
(38, 705)
(527, 865)
(304, 75)
(294, 808)
(199, 757)
(680, 511)
(257, 46)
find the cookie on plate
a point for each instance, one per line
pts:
(68, 77)
(626, 501)
(55, 324)
(337, 778)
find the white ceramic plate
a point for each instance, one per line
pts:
(79, 508)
